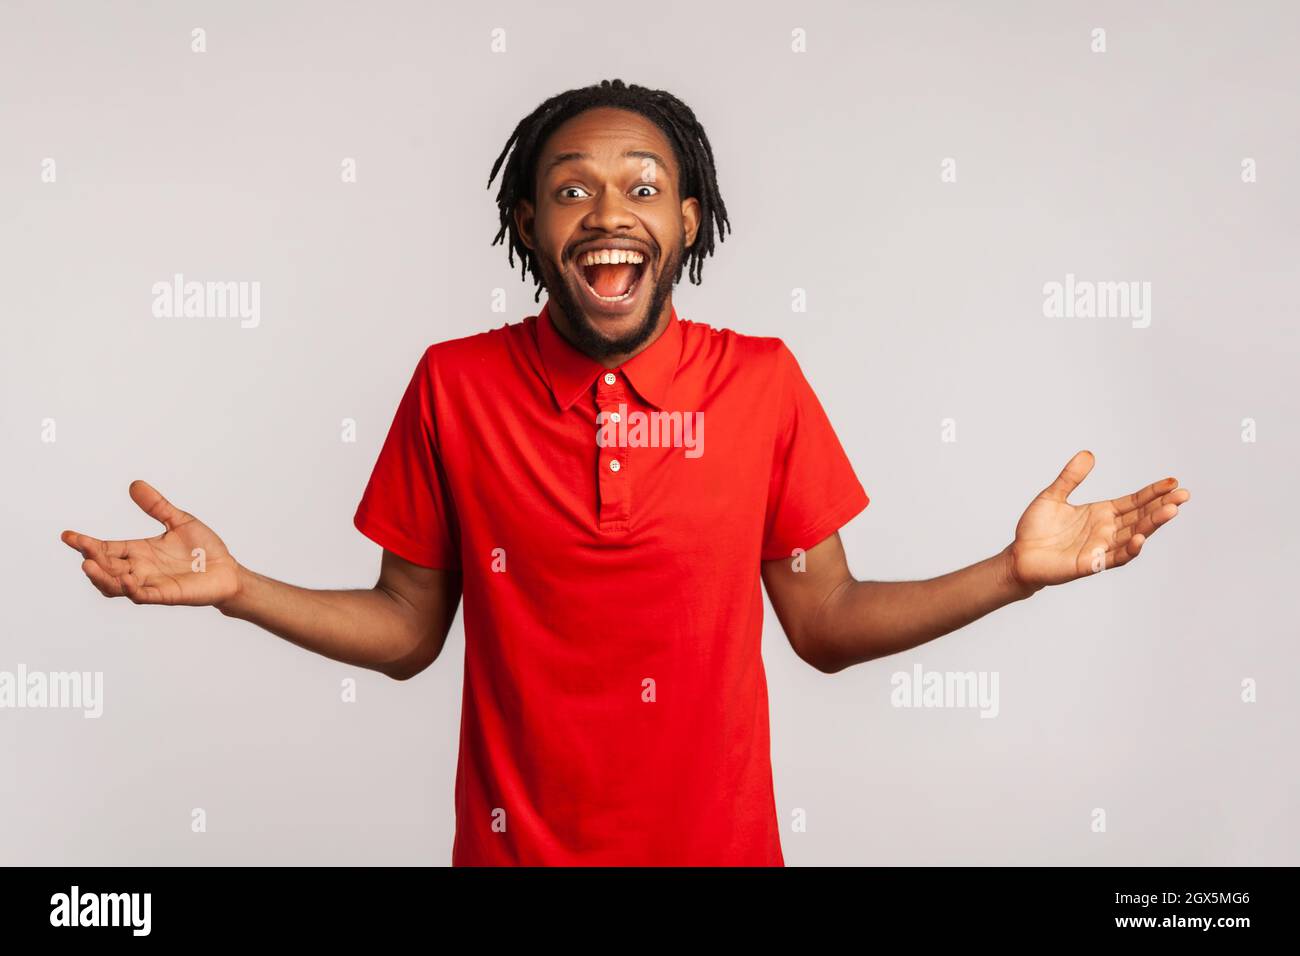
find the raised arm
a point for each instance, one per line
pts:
(834, 621)
(398, 627)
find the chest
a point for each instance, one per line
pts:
(604, 476)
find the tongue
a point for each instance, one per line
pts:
(611, 281)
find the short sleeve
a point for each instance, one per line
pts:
(407, 507)
(814, 490)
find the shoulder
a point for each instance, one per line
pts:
(761, 354)
(472, 355)
(479, 346)
(762, 366)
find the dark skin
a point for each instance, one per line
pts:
(607, 174)
(831, 619)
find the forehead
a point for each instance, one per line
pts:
(605, 134)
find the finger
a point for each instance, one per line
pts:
(1147, 524)
(1123, 554)
(110, 555)
(1075, 470)
(125, 584)
(141, 592)
(155, 505)
(91, 546)
(1176, 497)
(1128, 542)
(1126, 503)
(108, 585)
(80, 542)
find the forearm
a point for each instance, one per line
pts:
(368, 628)
(863, 620)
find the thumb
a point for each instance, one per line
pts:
(153, 504)
(1075, 470)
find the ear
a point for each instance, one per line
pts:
(690, 219)
(524, 215)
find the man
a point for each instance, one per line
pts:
(558, 473)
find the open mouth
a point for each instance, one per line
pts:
(612, 275)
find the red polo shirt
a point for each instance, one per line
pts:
(615, 705)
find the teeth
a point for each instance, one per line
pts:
(610, 257)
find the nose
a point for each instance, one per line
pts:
(609, 213)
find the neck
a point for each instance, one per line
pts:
(561, 323)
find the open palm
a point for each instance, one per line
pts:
(1057, 542)
(186, 564)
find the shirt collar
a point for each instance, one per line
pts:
(570, 373)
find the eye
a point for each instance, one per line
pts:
(567, 188)
(655, 190)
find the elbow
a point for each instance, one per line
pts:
(812, 647)
(406, 667)
(403, 671)
(815, 638)
(827, 666)
(417, 649)
(815, 656)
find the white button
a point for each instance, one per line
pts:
(614, 465)
(609, 378)
(614, 417)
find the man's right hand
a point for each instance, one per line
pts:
(162, 569)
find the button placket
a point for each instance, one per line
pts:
(612, 459)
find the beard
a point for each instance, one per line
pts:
(586, 337)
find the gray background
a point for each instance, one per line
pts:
(925, 302)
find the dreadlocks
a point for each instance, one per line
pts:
(690, 145)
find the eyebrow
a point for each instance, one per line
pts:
(561, 158)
